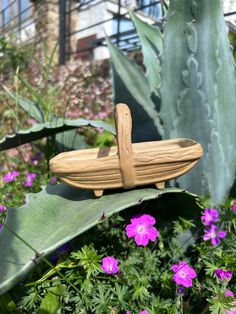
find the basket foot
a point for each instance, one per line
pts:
(160, 185)
(98, 193)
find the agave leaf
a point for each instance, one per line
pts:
(151, 43)
(33, 109)
(41, 130)
(53, 217)
(70, 140)
(131, 87)
(198, 69)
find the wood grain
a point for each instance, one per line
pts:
(126, 165)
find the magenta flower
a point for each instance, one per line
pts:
(29, 179)
(183, 274)
(53, 180)
(229, 293)
(141, 228)
(2, 208)
(31, 175)
(234, 207)
(210, 215)
(110, 265)
(10, 176)
(214, 235)
(231, 312)
(224, 275)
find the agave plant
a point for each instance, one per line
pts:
(190, 76)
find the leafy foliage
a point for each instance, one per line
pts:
(75, 210)
(145, 278)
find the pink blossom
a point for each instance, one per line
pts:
(31, 121)
(183, 274)
(234, 207)
(214, 235)
(210, 215)
(13, 152)
(224, 275)
(231, 312)
(10, 176)
(110, 265)
(29, 179)
(141, 228)
(2, 208)
(229, 293)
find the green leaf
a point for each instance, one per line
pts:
(51, 302)
(70, 140)
(53, 217)
(7, 305)
(33, 91)
(33, 109)
(151, 43)
(130, 86)
(41, 130)
(198, 92)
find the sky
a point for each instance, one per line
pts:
(24, 3)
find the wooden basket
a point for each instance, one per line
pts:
(126, 165)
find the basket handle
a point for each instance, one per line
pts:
(123, 123)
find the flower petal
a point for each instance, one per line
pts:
(222, 234)
(147, 220)
(141, 239)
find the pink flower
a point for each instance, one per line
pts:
(10, 176)
(31, 121)
(110, 265)
(209, 216)
(141, 229)
(229, 293)
(224, 275)
(214, 235)
(183, 274)
(231, 312)
(29, 179)
(31, 175)
(234, 207)
(2, 208)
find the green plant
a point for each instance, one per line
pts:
(196, 89)
(76, 283)
(12, 56)
(70, 213)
